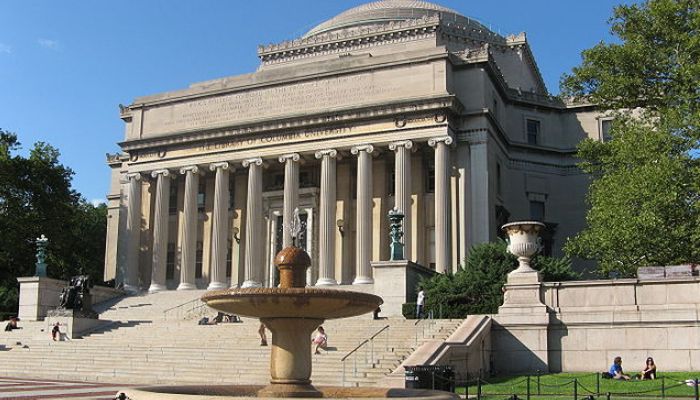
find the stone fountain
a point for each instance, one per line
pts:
(291, 312)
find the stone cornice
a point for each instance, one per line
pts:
(338, 42)
(447, 102)
(364, 38)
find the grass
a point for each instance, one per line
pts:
(561, 386)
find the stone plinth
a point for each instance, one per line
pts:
(73, 324)
(519, 332)
(397, 282)
(37, 295)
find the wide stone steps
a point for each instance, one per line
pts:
(143, 347)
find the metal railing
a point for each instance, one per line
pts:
(426, 326)
(368, 345)
(194, 307)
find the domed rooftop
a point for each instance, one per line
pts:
(386, 11)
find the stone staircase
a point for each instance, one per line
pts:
(146, 345)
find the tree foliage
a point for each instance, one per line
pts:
(476, 288)
(644, 193)
(36, 198)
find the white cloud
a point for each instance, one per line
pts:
(4, 48)
(97, 202)
(48, 43)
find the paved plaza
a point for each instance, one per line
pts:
(19, 388)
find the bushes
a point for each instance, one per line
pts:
(476, 288)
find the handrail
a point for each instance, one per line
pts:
(364, 342)
(355, 349)
(180, 305)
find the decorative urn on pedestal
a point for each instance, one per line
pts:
(522, 290)
(524, 242)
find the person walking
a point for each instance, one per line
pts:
(420, 302)
(263, 337)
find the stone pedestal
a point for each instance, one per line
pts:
(73, 324)
(519, 332)
(37, 295)
(396, 281)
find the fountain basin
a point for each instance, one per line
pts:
(240, 392)
(311, 303)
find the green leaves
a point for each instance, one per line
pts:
(36, 198)
(644, 195)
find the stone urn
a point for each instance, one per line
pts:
(523, 242)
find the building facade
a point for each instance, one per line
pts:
(395, 103)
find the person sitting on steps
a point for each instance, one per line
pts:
(320, 341)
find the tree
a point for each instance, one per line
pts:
(36, 198)
(643, 198)
(476, 288)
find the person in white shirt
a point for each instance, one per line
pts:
(420, 302)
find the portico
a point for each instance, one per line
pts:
(335, 226)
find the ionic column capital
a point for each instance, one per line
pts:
(442, 139)
(407, 144)
(257, 161)
(192, 168)
(291, 156)
(223, 165)
(332, 153)
(165, 172)
(365, 147)
(134, 175)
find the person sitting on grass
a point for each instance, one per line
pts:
(616, 370)
(649, 371)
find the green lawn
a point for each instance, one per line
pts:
(561, 386)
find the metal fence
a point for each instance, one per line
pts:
(533, 388)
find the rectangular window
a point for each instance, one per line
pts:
(499, 179)
(199, 255)
(533, 131)
(605, 125)
(431, 248)
(537, 210)
(201, 196)
(172, 205)
(430, 179)
(170, 262)
(231, 192)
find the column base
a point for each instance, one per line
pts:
(131, 289)
(326, 282)
(157, 287)
(251, 284)
(363, 280)
(186, 286)
(217, 286)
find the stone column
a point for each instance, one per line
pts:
(189, 228)
(133, 229)
(326, 227)
(402, 189)
(220, 227)
(363, 241)
(442, 202)
(160, 230)
(254, 245)
(291, 195)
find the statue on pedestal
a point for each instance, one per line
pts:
(396, 232)
(75, 298)
(41, 244)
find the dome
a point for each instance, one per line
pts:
(386, 11)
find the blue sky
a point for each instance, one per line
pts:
(66, 65)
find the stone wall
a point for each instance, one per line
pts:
(588, 323)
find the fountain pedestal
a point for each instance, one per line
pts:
(290, 365)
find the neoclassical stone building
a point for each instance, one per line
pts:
(395, 103)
